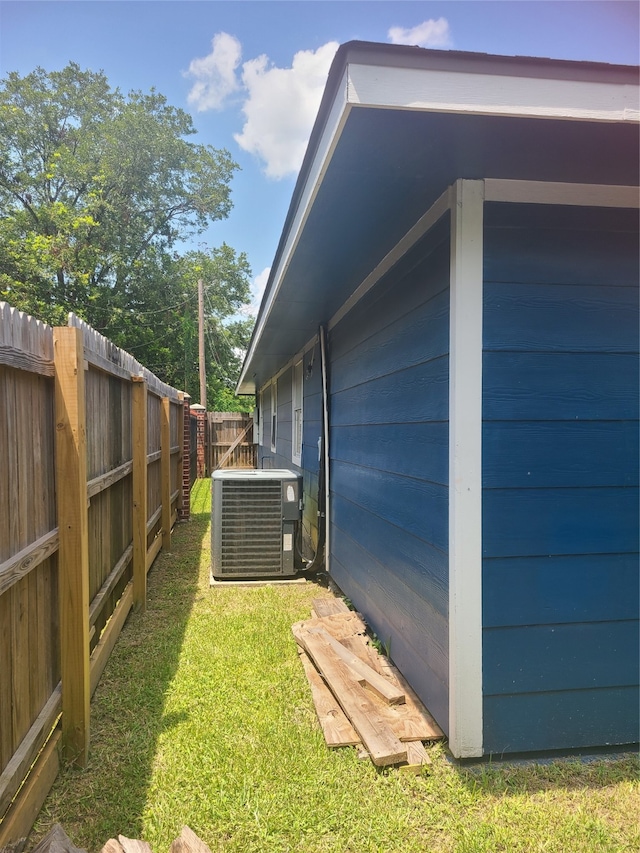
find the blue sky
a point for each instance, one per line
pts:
(251, 72)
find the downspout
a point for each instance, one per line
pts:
(322, 549)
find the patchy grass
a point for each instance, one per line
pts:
(204, 717)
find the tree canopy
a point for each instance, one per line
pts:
(98, 193)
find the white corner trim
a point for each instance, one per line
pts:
(424, 224)
(547, 192)
(482, 93)
(465, 471)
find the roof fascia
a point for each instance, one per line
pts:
(481, 93)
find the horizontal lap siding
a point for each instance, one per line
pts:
(389, 468)
(560, 479)
(312, 429)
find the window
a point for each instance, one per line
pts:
(296, 419)
(274, 415)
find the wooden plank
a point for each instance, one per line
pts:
(365, 674)
(411, 721)
(134, 845)
(104, 481)
(154, 519)
(20, 647)
(139, 430)
(153, 551)
(188, 842)
(102, 651)
(57, 841)
(19, 820)
(6, 667)
(17, 358)
(14, 773)
(234, 445)
(329, 606)
(417, 758)
(339, 625)
(382, 744)
(109, 584)
(336, 728)
(16, 567)
(73, 574)
(112, 846)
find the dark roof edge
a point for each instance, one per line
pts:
(404, 56)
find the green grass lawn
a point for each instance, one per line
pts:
(204, 717)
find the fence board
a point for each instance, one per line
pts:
(224, 428)
(31, 622)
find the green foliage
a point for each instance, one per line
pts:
(97, 191)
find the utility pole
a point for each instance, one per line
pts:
(203, 374)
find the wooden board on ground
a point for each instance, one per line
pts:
(339, 625)
(335, 726)
(188, 842)
(57, 841)
(380, 685)
(381, 742)
(329, 606)
(411, 721)
(417, 758)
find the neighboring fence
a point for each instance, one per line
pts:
(193, 452)
(91, 448)
(230, 441)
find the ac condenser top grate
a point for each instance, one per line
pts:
(254, 518)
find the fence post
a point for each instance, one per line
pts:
(165, 470)
(139, 429)
(201, 415)
(73, 556)
(185, 497)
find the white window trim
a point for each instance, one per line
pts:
(297, 412)
(260, 418)
(274, 415)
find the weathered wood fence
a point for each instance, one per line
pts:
(91, 447)
(230, 441)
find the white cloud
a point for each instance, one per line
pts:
(257, 291)
(215, 73)
(429, 33)
(281, 106)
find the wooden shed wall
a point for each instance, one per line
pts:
(389, 467)
(560, 478)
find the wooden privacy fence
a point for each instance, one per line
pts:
(91, 447)
(230, 440)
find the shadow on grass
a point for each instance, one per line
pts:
(127, 710)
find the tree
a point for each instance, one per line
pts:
(97, 192)
(91, 182)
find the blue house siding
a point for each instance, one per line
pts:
(312, 428)
(389, 466)
(560, 478)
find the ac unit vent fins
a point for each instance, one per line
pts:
(251, 527)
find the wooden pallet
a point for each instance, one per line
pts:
(360, 697)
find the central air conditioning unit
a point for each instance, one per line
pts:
(255, 522)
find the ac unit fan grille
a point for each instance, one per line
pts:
(251, 527)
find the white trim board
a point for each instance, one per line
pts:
(547, 192)
(465, 471)
(480, 93)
